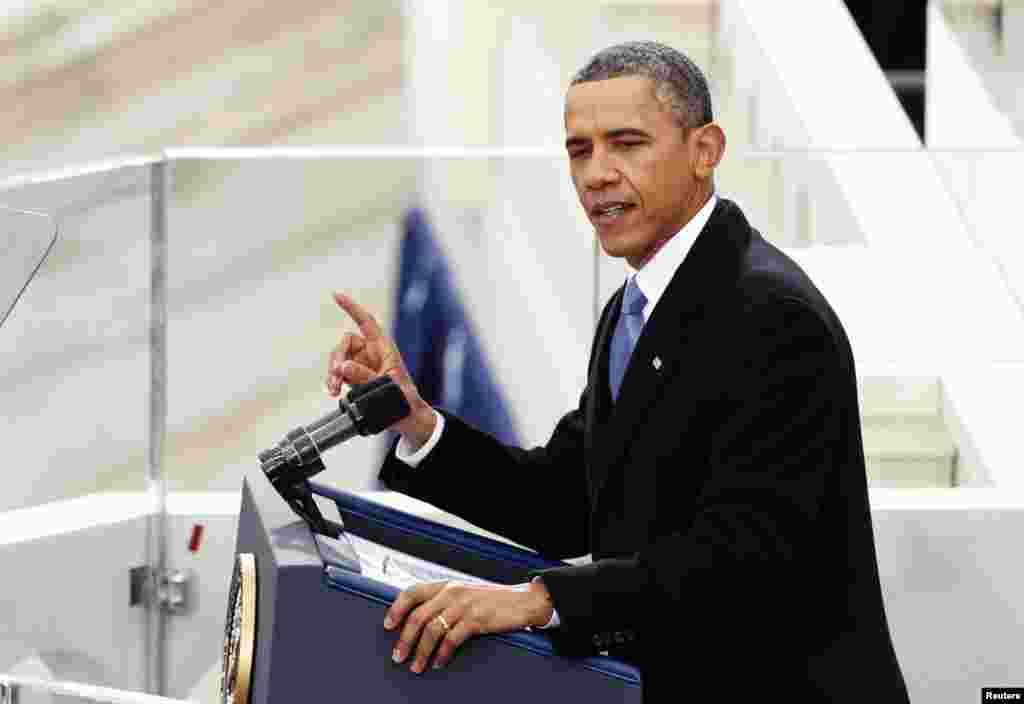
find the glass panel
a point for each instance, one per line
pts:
(74, 389)
(74, 351)
(257, 246)
(900, 247)
(25, 239)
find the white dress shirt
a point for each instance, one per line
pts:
(653, 278)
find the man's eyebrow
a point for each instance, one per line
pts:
(610, 134)
(626, 132)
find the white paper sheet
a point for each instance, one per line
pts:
(401, 570)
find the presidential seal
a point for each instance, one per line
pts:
(239, 633)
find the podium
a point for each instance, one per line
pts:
(314, 628)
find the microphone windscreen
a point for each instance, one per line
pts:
(379, 407)
(359, 389)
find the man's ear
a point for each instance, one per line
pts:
(709, 143)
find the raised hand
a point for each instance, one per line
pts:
(363, 357)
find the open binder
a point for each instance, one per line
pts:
(321, 605)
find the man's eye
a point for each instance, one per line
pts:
(630, 144)
(578, 153)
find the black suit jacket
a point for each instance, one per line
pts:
(723, 496)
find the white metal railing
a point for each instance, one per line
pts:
(78, 170)
(11, 686)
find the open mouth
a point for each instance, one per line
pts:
(608, 213)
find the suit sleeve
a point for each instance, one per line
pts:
(745, 556)
(535, 497)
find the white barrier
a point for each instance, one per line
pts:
(66, 589)
(10, 686)
(950, 577)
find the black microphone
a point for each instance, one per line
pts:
(368, 409)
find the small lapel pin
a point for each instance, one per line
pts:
(657, 363)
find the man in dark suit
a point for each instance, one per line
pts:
(714, 466)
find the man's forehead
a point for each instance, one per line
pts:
(596, 104)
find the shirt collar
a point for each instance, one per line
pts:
(655, 275)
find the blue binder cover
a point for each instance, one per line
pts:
(319, 620)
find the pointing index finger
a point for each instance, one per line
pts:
(367, 323)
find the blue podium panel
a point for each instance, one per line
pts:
(319, 623)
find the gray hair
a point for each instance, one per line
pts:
(677, 80)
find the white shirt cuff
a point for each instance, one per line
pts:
(554, 621)
(414, 458)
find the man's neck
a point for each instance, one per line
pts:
(661, 242)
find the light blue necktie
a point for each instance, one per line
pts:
(627, 331)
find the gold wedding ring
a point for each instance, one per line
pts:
(444, 624)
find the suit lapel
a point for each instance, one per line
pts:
(599, 404)
(707, 273)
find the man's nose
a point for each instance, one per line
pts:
(600, 172)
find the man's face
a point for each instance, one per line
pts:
(632, 165)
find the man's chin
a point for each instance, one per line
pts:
(614, 246)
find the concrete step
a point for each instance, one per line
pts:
(906, 441)
(908, 451)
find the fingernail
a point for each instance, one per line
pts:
(417, 667)
(388, 623)
(396, 655)
(437, 665)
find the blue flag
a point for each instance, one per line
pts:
(437, 340)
